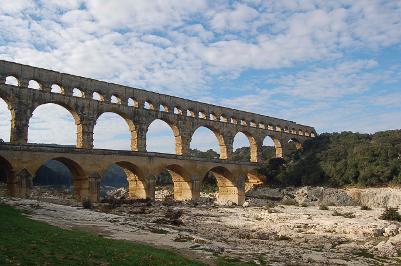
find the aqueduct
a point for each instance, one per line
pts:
(86, 99)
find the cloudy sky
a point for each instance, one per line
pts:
(335, 65)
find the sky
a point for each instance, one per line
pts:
(334, 65)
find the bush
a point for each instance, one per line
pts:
(345, 214)
(87, 204)
(323, 207)
(391, 214)
(289, 201)
(365, 208)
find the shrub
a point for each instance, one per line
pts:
(323, 207)
(391, 214)
(289, 201)
(87, 204)
(344, 214)
(365, 208)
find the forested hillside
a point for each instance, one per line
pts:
(340, 159)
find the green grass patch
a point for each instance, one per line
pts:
(27, 242)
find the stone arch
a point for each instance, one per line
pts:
(78, 93)
(228, 190)
(97, 96)
(296, 142)
(176, 133)
(139, 187)
(12, 80)
(6, 171)
(56, 88)
(5, 116)
(80, 182)
(220, 140)
(183, 189)
(177, 110)
(132, 102)
(34, 84)
(131, 127)
(277, 145)
(115, 99)
(254, 178)
(163, 108)
(65, 106)
(253, 146)
(149, 105)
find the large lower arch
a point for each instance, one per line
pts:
(114, 131)
(183, 185)
(51, 118)
(253, 147)
(228, 189)
(7, 175)
(220, 140)
(139, 187)
(5, 120)
(158, 136)
(80, 182)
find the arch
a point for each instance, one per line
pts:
(114, 131)
(190, 113)
(253, 179)
(163, 108)
(78, 179)
(252, 123)
(132, 102)
(262, 126)
(78, 93)
(243, 122)
(52, 117)
(200, 143)
(161, 131)
(253, 147)
(228, 191)
(115, 99)
(12, 80)
(35, 85)
(202, 115)
(213, 117)
(300, 132)
(271, 141)
(97, 96)
(6, 170)
(55, 88)
(177, 110)
(149, 105)
(183, 189)
(296, 142)
(5, 120)
(223, 119)
(139, 187)
(234, 120)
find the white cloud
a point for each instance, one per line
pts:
(189, 48)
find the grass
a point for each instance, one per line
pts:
(27, 242)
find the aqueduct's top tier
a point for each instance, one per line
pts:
(87, 99)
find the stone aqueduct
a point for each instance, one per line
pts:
(87, 99)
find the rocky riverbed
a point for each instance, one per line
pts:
(276, 227)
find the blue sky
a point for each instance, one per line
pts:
(335, 65)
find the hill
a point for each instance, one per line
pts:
(340, 159)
